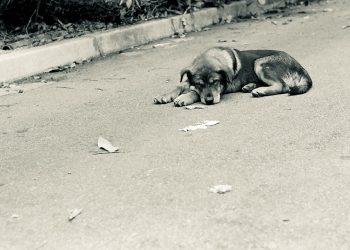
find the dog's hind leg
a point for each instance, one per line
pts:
(274, 89)
(171, 96)
(270, 71)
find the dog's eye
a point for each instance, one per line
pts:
(214, 81)
(199, 83)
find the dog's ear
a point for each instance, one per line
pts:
(228, 74)
(187, 72)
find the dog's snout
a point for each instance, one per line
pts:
(209, 99)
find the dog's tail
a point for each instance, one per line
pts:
(298, 82)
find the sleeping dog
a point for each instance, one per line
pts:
(222, 70)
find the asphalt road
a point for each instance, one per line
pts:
(287, 158)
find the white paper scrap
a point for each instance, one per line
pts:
(106, 145)
(221, 189)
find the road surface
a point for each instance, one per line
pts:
(287, 158)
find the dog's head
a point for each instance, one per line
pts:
(210, 73)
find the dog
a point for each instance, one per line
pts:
(223, 70)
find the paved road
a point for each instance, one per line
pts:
(287, 158)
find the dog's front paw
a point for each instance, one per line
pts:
(180, 101)
(186, 99)
(162, 99)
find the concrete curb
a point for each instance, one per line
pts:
(258, 7)
(27, 62)
(124, 38)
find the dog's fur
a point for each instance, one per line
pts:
(222, 70)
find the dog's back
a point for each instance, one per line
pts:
(284, 67)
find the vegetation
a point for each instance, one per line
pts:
(27, 12)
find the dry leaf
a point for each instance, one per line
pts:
(106, 145)
(74, 213)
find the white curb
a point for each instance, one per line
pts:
(27, 62)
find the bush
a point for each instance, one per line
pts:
(23, 12)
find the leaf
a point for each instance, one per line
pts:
(74, 213)
(106, 145)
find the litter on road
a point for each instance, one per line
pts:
(61, 68)
(106, 145)
(200, 125)
(327, 10)
(74, 213)
(191, 107)
(210, 123)
(220, 189)
(193, 127)
(160, 45)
